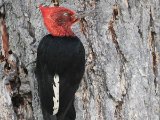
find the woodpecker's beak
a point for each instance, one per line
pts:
(79, 15)
(83, 14)
(74, 18)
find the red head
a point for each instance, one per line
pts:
(58, 20)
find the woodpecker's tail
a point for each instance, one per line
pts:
(56, 94)
(49, 117)
(53, 117)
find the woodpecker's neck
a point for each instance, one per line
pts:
(62, 31)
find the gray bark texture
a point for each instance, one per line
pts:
(122, 43)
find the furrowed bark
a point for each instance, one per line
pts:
(121, 39)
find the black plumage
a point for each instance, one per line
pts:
(64, 56)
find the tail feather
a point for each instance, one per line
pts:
(53, 117)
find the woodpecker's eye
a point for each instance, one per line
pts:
(66, 14)
(60, 20)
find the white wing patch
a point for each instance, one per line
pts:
(56, 93)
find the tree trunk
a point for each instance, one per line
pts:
(122, 42)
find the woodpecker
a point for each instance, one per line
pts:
(60, 64)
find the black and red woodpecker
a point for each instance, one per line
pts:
(60, 64)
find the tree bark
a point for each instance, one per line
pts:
(122, 42)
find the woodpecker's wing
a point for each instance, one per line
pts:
(45, 89)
